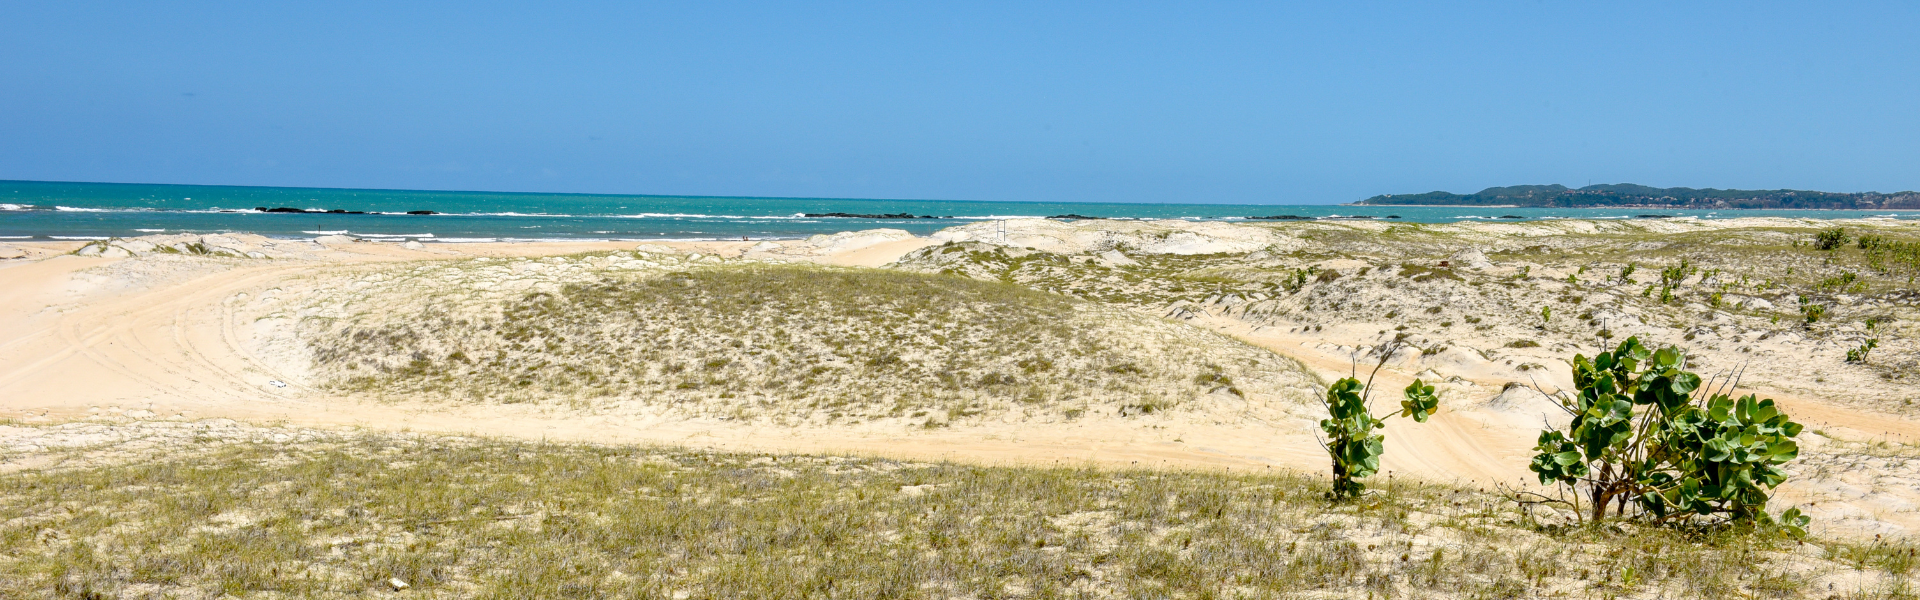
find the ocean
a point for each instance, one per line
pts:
(59, 210)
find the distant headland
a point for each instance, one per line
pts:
(1631, 195)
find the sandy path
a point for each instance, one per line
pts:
(1842, 420)
(1476, 443)
(67, 347)
(174, 347)
(165, 347)
(1464, 444)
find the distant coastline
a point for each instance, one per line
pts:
(1643, 206)
(1361, 203)
(86, 212)
(1628, 195)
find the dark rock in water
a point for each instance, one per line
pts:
(841, 215)
(1511, 217)
(288, 209)
(1391, 217)
(421, 212)
(1282, 218)
(1653, 216)
(1075, 216)
(1350, 217)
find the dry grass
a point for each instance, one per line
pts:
(1743, 286)
(493, 519)
(789, 342)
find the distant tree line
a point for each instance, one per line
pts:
(1627, 194)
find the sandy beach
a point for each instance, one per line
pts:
(1105, 356)
(95, 330)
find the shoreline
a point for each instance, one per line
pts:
(1621, 206)
(11, 245)
(920, 229)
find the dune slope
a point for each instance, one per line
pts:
(789, 342)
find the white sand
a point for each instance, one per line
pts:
(171, 336)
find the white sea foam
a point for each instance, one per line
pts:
(15, 206)
(340, 232)
(395, 235)
(72, 209)
(78, 237)
(150, 230)
(15, 237)
(707, 216)
(687, 216)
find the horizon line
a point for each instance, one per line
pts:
(627, 195)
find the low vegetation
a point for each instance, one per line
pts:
(354, 515)
(790, 342)
(1763, 294)
(1639, 436)
(1666, 478)
(1351, 441)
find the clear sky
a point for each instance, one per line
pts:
(1257, 102)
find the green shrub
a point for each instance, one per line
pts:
(1351, 442)
(1831, 239)
(1639, 436)
(1840, 282)
(1298, 280)
(1671, 277)
(1859, 355)
(1810, 311)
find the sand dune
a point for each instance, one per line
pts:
(163, 335)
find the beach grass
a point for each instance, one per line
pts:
(1725, 289)
(802, 343)
(463, 517)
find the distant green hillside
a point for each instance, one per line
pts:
(1627, 194)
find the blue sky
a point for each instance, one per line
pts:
(1293, 103)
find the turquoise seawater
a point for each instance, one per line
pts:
(57, 210)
